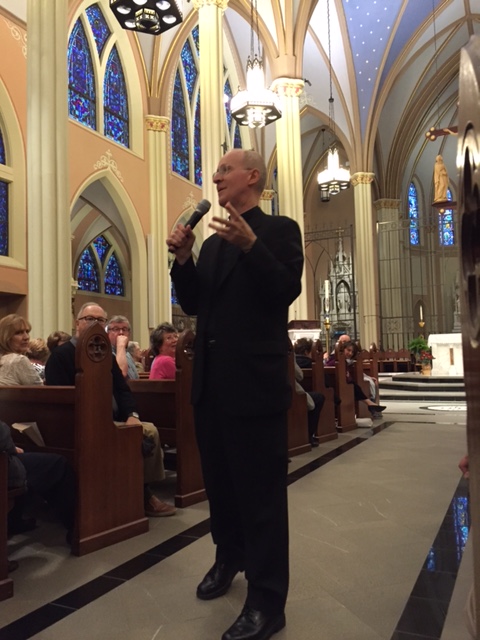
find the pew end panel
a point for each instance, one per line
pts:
(298, 440)
(108, 457)
(326, 426)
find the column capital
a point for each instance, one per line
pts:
(362, 177)
(387, 203)
(288, 87)
(221, 4)
(157, 123)
(268, 194)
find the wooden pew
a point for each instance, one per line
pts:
(357, 369)
(77, 422)
(298, 440)
(314, 380)
(7, 499)
(167, 404)
(336, 377)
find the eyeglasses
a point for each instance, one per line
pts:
(224, 169)
(91, 319)
(119, 329)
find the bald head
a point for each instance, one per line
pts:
(89, 313)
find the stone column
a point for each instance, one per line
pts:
(365, 259)
(289, 163)
(49, 234)
(210, 14)
(159, 299)
(266, 201)
(393, 305)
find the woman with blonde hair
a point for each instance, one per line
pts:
(15, 367)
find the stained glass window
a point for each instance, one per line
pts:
(413, 215)
(3, 155)
(189, 68)
(446, 232)
(180, 146)
(227, 91)
(87, 276)
(101, 246)
(197, 149)
(196, 38)
(99, 26)
(237, 139)
(3, 218)
(114, 278)
(115, 100)
(173, 293)
(81, 79)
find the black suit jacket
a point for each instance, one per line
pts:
(241, 301)
(60, 370)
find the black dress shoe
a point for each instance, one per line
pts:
(254, 625)
(217, 581)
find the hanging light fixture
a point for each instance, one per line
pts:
(256, 106)
(147, 16)
(334, 178)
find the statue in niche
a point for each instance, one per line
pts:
(440, 179)
(343, 298)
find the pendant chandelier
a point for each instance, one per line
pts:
(334, 178)
(256, 106)
(147, 16)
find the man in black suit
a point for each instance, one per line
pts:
(246, 276)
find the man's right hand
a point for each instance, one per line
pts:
(180, 243)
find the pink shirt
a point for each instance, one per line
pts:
(163, 368)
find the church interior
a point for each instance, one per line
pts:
(109, 138)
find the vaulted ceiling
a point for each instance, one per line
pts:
(394, 70)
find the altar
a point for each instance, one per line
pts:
(447, 353)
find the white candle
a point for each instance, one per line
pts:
(421, 312)
(327, 296)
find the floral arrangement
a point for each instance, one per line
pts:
(425, 356)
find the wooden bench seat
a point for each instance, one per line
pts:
(77, 422)
(7, 500)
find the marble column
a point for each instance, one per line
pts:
(49, 234)
(390, 242)
(210, 14)
(159, 298)
(266, 201)
(365, 259)
(289, 163)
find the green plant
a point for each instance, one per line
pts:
(417, 345)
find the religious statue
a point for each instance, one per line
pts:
(440, 179)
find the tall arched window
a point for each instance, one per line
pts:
(186, 129)
(87, 69)
(115, 100)
(446, 231)
(413, 215)
(81, 79)
(93, 275)
(3, 201)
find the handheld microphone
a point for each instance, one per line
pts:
(203, 207)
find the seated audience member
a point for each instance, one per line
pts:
(38, 353)
(163, 342)
(60, 370)
(372, 382)
(45, 474)
(118, 330)
(303, 352)
(133, 348)
(15, 367)
(56, 339)
(349, 350)
(315, 401)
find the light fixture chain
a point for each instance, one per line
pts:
(436, 58)
(331, 115)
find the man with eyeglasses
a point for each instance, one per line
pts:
(60, 370)
(118, 330)
(246, 276)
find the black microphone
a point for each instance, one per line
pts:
(203, 207)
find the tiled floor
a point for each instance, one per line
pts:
(378, 522)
